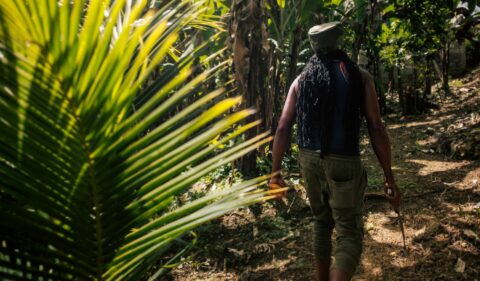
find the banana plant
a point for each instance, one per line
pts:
(87, 174)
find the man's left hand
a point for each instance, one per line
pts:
(393, 194)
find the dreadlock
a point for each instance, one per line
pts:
(316, 104)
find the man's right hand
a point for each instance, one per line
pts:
(275, 183)
(393, 194)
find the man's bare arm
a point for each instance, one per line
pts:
(282, 135)
(379, 137)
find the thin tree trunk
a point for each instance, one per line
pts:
(379, 85)
(437, 70)
(401, 94)
(292, 71)
(415, 105)
(428, 81)
(445, 68)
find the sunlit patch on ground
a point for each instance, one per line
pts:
(431, 166)
(413, 124)
(472, 179)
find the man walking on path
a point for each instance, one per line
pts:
(328, 100)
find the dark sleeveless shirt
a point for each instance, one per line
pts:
(329, 105)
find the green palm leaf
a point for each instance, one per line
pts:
(90, 156)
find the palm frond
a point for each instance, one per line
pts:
(90, 156)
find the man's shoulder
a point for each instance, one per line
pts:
(366, 76)
(296, 81)
(294, 85)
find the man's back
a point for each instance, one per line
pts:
(329, 111)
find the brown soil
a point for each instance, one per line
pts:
(441, 213)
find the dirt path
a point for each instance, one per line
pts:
(441, 215)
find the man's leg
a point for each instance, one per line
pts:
(348, 248)
(339, 275)
(347, 182)
(322, 240)
(323, 269)
(314, 178)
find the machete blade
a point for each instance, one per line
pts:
(400, 221)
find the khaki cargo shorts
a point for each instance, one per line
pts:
(335, 187)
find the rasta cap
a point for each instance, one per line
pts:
(325, 36)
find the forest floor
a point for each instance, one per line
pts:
(441, 212)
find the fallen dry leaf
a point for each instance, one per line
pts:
(236, 252)
(421, 231)
(460, 266)
(470, 234)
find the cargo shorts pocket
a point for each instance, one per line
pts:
(342, 194)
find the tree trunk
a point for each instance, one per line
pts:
(395, 75)
(428, 81)
(379, 85)
(401, 94)
(445, 66)
(413, 106)
(248, 41)
(296, 42)
(438, 71)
